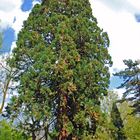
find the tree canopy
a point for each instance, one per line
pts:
(62, 71)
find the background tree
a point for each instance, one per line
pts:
(106, 129)
(8, 132)
(62, 67)
(5, 81)
(131, 77)
(5, 77)
(131, 122)
(118, 123)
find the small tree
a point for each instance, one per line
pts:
(62, 64)
(7, 132)
(5, 80)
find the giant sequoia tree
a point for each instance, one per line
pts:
(61, 63)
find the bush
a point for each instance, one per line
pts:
(7, 132)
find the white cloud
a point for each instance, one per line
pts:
(10, 9)
(135, 3)
(122, 29)
(7, 5)
(131, 6)
(36, 2)
(20, 17)
(119, 92)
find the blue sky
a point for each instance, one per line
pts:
(8, 38)
(120, 18)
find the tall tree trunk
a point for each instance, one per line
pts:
(46, 133)
(33, 136)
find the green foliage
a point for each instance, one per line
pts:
(7, 132)
(131, 121)
(131, 77)
(62, 67)
(106, 129)
(118, 123)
